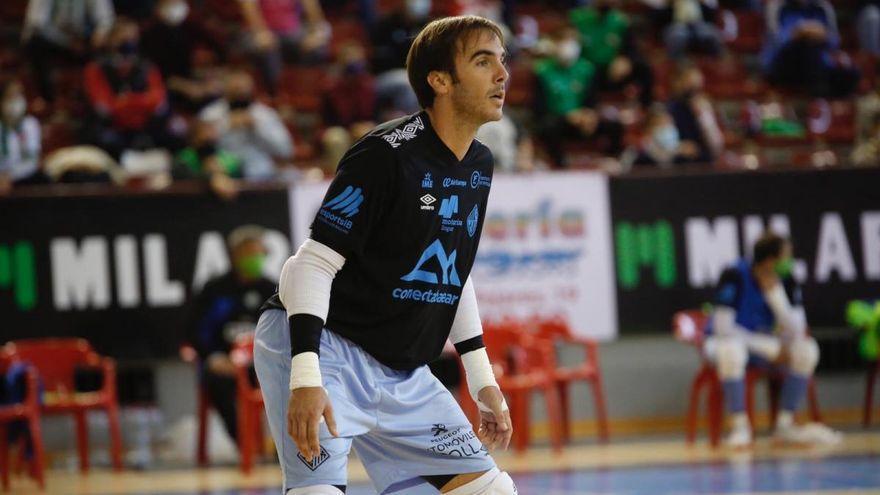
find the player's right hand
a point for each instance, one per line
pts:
(305, 409)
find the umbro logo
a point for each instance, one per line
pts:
(428, 202)
(438, 429)
(317, 461)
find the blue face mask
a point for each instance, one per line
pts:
(667, 137)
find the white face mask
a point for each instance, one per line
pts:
(568, 51)
(174, 13)
(15, 108)
(418, 9)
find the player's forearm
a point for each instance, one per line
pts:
(304, 289)
(792, 320)
(724, 321)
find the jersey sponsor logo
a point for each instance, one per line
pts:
(315, 463)
(347, 203)
(450, 182)
(405, 133)
(438, 429)
(428, 202)
(427, 181)
(480, 180)
(448, 208)
(461, 442)
(448, 273)
(472, 219)
(425, 296)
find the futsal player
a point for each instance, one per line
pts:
(382, 282)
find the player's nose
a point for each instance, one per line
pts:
(502, 75)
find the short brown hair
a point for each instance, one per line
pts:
(768, 246)
(435, 47)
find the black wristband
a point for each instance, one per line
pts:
(305, 333)
(471, 344)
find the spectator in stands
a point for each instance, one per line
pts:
(510, 146)
(391, 39)
(203, 159)
(869, 26)
(565, 100)
(127, 97)
(867, 146)
(276, 33)
(759, 320)
(694, 116)
(661, 146)
(170, 40)
(248, 129)
(20, 145)
(688, 26)
(68, 30)
(801, 48)
(608, 43)
(348, 104)
(225, 309)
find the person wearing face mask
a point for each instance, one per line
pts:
(688, 26)
(566, 99)
(661, 145)
(205, 159)
(127, 97)
(248, 129)
(759, 320)
(348, 106)
(20, 136)
(170, 41)
(224, 309)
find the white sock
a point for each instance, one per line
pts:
(784, 420)
(740, 421)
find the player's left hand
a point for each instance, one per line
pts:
(495, 426)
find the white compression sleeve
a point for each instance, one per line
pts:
(306, 279)
(304, 288)
(792, 320)
(466, 324)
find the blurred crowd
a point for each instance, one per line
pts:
(147, 92)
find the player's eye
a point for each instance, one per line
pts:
(483, 63)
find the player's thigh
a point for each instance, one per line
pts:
(272, 363)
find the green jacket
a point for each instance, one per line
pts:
(564, 88)
(190, 165)
(602, 37)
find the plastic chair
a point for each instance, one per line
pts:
(203, 404)
(57, 361)
(873, 371)
(29, 411)
(689, 327)
(249, 400)
(557, 330)
(523, 365)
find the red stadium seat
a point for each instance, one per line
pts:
(27, 411)
(689, 327)
(523, 365)
(868, 408)
(57, 361)
(250, 403)
(557, 330)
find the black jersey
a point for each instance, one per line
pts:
(407, 216)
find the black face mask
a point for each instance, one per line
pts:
(127, 48)
(206, 149)
(240, 103)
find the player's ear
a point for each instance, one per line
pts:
(440, 82)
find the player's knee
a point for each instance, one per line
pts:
(493, 482)
(804, 354)
(316, 490)
(732, 357)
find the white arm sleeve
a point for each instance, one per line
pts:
(792, 320)
(466, 324)
(306, 279)
(724, 322)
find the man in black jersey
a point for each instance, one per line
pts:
(381, 284)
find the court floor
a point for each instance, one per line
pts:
(631, 468)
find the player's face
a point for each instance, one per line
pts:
(479, 93)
